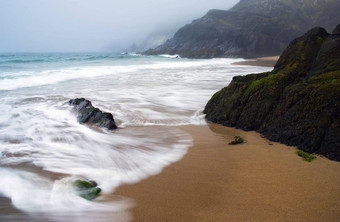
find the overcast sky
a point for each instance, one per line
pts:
(92, 25)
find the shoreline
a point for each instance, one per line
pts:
(259, 180)
(269, 61)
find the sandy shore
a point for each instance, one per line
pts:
(255, 181)
(263, 61)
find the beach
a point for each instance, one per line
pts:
(258, 180)
(255, 181)
(170, 111)
(163, 163)
(269, 61)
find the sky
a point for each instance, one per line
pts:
(92, 25)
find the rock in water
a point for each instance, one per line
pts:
(89, 114)
(298, 103)
(86, 188)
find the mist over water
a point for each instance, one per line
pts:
(87, 25)
(43, 148)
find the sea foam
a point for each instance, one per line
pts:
(43, 147)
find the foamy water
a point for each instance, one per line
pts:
(43, 147)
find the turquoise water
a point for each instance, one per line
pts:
(41, 61)
(43, 148)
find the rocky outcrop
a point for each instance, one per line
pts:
(87, 189)
(89, 114)
(252, 28)
(298, 103)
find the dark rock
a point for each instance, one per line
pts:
(86, 188)
(298, 103)
(89, 114)
(76, 101)
(252, 28)
(328, 56)
(300, 55)
(336, 31)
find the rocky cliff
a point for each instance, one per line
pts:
(252, 28)
(298, 103)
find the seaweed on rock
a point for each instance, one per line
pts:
(298, 103)
(87, 189)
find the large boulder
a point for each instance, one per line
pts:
(89, 114)
(298, 103)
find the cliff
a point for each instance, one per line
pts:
(298, 103)
(252, 28)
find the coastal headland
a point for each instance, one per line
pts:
(258, 180)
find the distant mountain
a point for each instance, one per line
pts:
(252, 28)
(298, 103)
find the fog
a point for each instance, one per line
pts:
(93, 25)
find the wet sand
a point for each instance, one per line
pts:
(255, 181)
(263, 61)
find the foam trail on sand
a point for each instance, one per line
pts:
(43, 148)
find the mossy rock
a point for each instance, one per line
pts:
(296, 104)
(237, 140)
(86, 189)
(305, 156)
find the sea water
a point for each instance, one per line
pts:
(43, 148)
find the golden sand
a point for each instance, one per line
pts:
(255, 181)
(263, 61)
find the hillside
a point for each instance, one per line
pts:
(298, 103)
(252, 28)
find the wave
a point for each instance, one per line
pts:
(47, 77)
(6, 55)
(47, 200)
(43, 147)
(170, 56)
(62, 58)
(19, 61)
(50, 138)
(100, 57)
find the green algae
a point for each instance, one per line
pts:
(297, 103)
(305, 156)
(86, 189)
(237, 140)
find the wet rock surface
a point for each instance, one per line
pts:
(89, 114)
(87, 189)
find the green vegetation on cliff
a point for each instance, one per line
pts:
(298, 103)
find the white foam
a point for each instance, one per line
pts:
(51, 138)
(47, 77)
(170, 56)
(56, 200)
(147, 98)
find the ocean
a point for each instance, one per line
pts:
(43, 148)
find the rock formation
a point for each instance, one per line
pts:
(252, 28)
(298, 103)
(89, 114)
